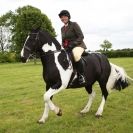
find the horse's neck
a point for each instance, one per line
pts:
(52, 55)
(47, 54)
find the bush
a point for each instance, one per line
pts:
(8, 57)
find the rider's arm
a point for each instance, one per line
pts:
(78, 33)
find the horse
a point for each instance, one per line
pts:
(59, 72)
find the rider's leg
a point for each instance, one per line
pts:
(77, 53)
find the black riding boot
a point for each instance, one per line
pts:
(80, 69)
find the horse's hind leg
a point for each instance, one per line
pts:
(104, 98)
(91, 97)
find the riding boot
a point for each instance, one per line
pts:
(80, 69)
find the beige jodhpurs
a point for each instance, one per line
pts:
(77, 52)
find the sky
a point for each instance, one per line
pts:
(98, 19)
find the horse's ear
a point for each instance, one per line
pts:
(35, 30)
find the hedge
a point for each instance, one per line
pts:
(8, 57)
(116, 54)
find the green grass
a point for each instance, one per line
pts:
(21, 104)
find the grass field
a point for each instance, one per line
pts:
(21, 104)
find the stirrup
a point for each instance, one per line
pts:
(81, 79)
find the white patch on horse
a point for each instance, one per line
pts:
(120, 72)
(111, 80)
(64, 74)
(46, 47)
(22, 51)
(45, 114)
(49, 105)
(115, 74)
(100, 109)
(87, 107)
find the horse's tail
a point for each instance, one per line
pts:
(118, 78)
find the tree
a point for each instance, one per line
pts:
(5, 37)
(22, 21)
(106, 45)
(2, 40)
(5, 34)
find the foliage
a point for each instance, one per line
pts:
(106, 45)
(119, 53)
(6, 19)
(8, 57)
(5, 38)
(2, 39)
(22, 21)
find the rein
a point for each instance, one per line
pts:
(27, 48)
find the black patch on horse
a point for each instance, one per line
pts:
(121, 84)
(62, 58)
(57, 44)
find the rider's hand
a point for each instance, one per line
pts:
(71, 46)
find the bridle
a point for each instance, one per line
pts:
(36, 39)
(27, 48)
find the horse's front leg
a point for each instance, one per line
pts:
(45, 114)
(49, 105)
(47, 99)
(46, 109)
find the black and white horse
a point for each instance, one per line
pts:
(58, 71)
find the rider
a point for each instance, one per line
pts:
(72, 40)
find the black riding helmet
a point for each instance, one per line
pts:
(64, 13)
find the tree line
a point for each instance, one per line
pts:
(106, 48)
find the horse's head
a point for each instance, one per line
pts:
(30, 45)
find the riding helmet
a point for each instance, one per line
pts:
(64, 13)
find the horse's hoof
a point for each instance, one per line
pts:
(40, 122)
(98, 116)
(59, 113)
(83, 112)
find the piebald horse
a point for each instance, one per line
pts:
(58, 71)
